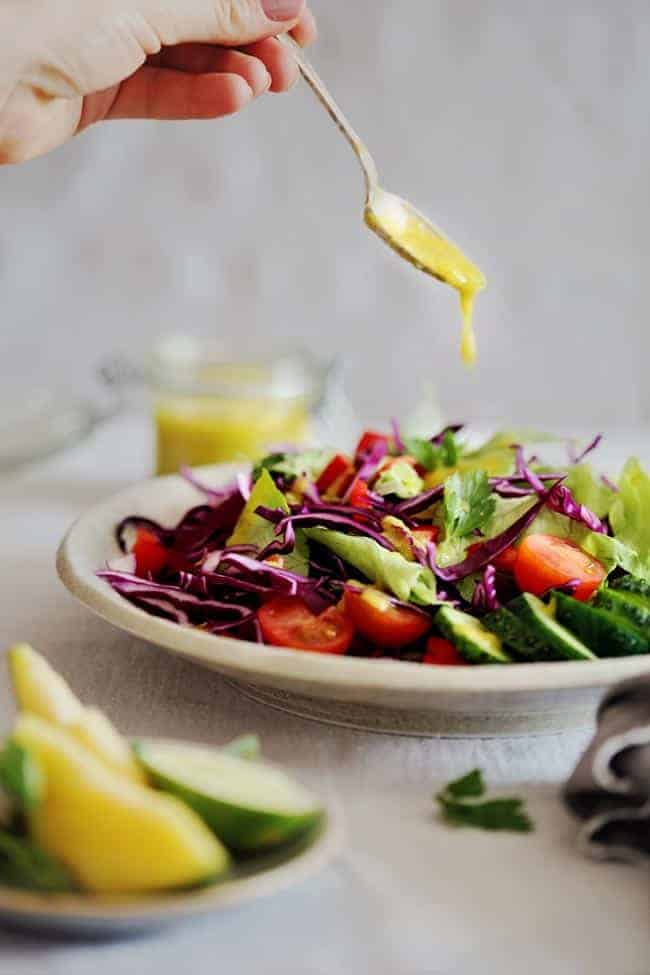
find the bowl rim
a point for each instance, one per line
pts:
(77, 563)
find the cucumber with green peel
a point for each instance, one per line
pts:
(632, 584)
(630, 605)
(250, 805)
(474, 642)
(518, 637)
(604, 632)
(539, 619)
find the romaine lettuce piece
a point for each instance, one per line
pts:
(630, 511)
(409, 581)
(589, 489)
(252, 529)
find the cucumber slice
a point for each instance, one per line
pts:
(251, 806)
(472, 640)
(607, 634)
(632, 584)
(517, 636)
(630, 605)
(539, 619)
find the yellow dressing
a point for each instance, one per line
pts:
(198, 430)
(418, 242)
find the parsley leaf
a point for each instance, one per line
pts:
(471, 784)
(430, 455)
(449, 449)
(460, 806)
(423, 451)
(469, 503)
(495, 814)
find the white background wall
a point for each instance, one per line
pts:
(522, 128)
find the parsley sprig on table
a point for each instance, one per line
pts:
(459, 804)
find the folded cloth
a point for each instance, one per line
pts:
(610, 787)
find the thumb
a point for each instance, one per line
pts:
(230, 22)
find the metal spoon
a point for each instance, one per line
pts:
(390, 216)
(397, 222)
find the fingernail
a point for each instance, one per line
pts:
(282, 9)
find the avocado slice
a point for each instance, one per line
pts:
(540, 620)
(632, 584)
(472, 640)
(635, 608)
(250, 805)
(517, 636)
(604, 632)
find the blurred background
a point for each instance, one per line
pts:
(520, 128)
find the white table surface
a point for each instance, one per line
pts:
(409, 896)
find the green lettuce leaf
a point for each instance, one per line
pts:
(630, 510)
(307, 462)
(588, 489)
(400, 479)
(251, 529)
(409, 581)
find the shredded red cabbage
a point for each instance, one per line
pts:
(421, 501)
(485, 592)
(320, 519)
(561, 499)
(578, 458)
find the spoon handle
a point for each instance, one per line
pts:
(326, 99)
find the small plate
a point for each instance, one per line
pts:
(392, 696)
(88, 915)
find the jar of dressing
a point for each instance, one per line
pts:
(211, 407)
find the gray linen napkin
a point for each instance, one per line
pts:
(610, 787)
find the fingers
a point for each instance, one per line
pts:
(279, 63)
(227, 22)
(206, 59)
(161, 93)
(305, 31)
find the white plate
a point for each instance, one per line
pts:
(381, 695)
(89, 915)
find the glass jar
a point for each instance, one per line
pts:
(210, 407)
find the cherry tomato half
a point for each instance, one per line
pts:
(151, 556)
(442, 653)
(287, 621)
(544, 561)
(338, 465)
(381, 621)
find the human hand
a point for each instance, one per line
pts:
(68, 64)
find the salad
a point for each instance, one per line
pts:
(425, 549)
